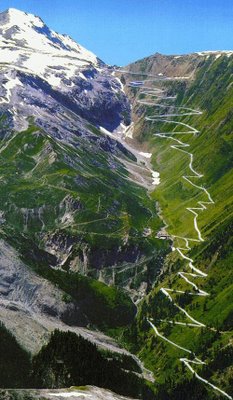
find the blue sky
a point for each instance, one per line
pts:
(121, 31)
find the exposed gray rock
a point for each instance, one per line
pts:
(89, 392)
(31, 307)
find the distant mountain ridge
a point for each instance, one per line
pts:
(184, 65)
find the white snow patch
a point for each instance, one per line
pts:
(54, 81)
(155, 178)
(9, 85)
(82, 76)
(218, 53)
(106, 132)
(121, 84)
(146, 155)
(8, 56)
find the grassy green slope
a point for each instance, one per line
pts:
(38, 174)
(211, 92)
(78, 202)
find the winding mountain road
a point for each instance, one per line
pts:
(151, 98)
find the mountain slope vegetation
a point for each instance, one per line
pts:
(210, 92)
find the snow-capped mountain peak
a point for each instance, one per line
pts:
(45, 73)
(19, 18)
(28, 44)
(27, 30)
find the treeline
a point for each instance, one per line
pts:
(15, 362)
(68, 360)
(189, 389)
